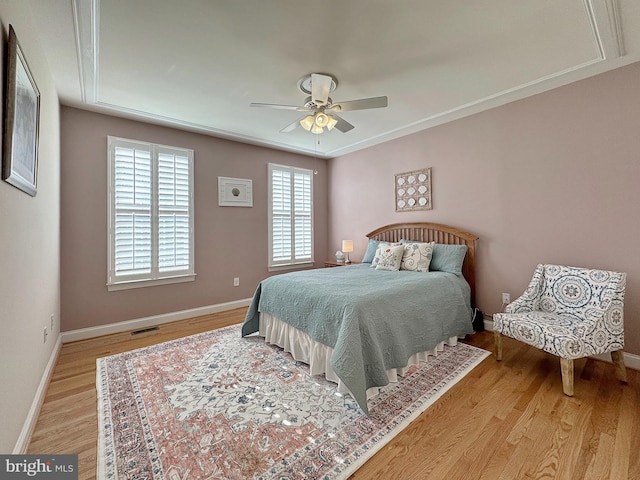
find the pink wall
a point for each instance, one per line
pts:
(553, 178)
(230, 241)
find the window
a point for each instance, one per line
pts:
(290, 216)
(150, 214)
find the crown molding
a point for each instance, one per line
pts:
(604, 16)
(86, 21)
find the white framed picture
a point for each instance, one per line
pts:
(235, 192)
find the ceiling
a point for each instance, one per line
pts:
(198, 64)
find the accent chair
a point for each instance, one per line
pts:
(569, 312)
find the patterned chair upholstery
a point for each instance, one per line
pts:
(571, 313)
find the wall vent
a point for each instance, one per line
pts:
(144, 330)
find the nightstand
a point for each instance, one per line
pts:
(333, 263)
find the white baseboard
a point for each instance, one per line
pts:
(92, 332)
(630, 360)
(29, 425)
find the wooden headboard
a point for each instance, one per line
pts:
(435, 232)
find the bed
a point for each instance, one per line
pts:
(360, 326)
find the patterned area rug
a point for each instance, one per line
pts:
(217, 406)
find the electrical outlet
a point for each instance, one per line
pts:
(236, 282)
(46, 333)
(506, 298)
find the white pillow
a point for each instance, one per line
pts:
(381, 245)
(417, 256)
(390, 258)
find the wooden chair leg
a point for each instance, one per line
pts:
(618, 361)
(497, 340)
(566, 366)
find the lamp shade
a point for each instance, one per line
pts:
(321, 119)
(347, 246)
(307, 122)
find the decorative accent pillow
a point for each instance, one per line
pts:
(448, 258)
(417, 256)
(370, 254)
(381, 245)
(390, 257)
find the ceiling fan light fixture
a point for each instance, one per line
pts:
(307, 122)
(321, 119)
(321, 111)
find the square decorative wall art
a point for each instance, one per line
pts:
(235, 192)
(413, 190)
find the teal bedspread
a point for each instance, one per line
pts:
(373, 320)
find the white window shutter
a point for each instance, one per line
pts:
(281, 216)
(290, 216)
(132, 211)
(303, 229)
(173, 212)
(151, 213)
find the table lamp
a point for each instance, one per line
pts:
(347, 247)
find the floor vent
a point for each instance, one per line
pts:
(144, 330)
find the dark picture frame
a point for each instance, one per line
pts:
(21, 121)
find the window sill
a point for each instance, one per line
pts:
(297, 266)
(112, 287)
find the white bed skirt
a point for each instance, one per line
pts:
(304, 349)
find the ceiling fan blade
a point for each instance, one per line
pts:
(291, 127)
(342, 124)
(280, 107)
(320, 88)
(362, 104)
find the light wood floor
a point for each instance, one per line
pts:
(505, 420)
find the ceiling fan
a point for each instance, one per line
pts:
(320, 108)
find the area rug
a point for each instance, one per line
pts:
(218, 406)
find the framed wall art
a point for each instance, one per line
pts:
(235, 192)
(413, 190)
(22, 117)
